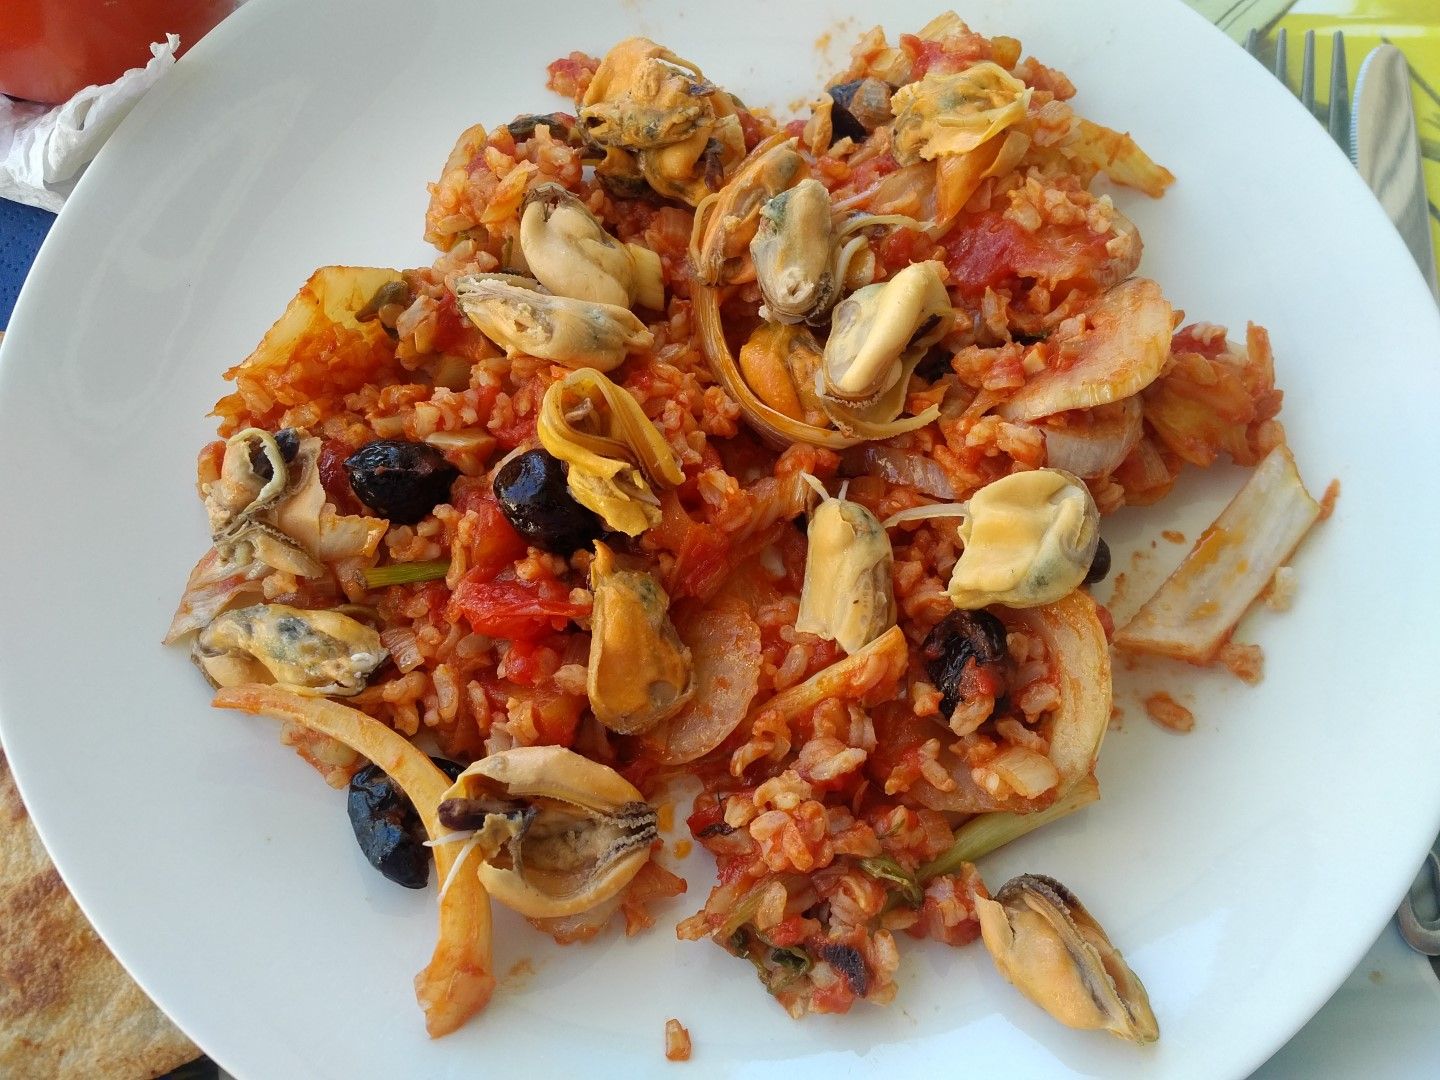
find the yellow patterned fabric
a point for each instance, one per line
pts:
(1413, 25)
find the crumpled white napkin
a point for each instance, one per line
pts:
(43, 149)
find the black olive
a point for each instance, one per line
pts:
(1099, 565)
(533, 493)
(935, 364)
(387, 826)
(846, 959)
(843, 124)
(398, 480)
(288, 439)
(957, 639)
(860, 107)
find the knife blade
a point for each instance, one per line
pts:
(1385, 147)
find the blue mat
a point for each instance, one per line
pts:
(22, 228)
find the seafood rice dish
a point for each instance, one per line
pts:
(754, 464)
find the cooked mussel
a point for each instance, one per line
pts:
(727, 221)
(254, 473)
(640, 672)
(643, 96)
(575, 333)
(765, 412)
(878, 335)
(558, 833)
(1054, 952)
(803, 256)
(1030, 538)
(568, 250)
(848, 595)
(792, 253)
(781, 364)
(659, 121)
(315, 653)
(956, 112)
(255, 476)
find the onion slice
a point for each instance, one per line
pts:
(1194, 612)
(1080, 659)
(458, 981)
(926, 513)
(897, 466)
(724, 644)
(887, 654)
(1096, 445)
(1118, 350)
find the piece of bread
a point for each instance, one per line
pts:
(67, 1008)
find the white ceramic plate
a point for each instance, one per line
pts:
(1243, 869)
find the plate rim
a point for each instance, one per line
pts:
(217, 42)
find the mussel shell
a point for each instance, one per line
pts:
(568, 832)
(793, 252)
(1055, 952)
(879, 333)
(640, 672)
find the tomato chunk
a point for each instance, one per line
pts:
(493, 544)
(515, 610)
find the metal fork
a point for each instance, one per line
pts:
(1335, 114)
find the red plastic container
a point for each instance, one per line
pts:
(49, 49)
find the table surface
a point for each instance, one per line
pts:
(1381, 1022)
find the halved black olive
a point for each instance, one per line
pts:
(846, 959)
(957, 639)
(1099, 565)
(398, 480)
(387, 825)
(532, 491)
(935, 364)
(860, 107)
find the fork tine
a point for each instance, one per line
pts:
(1282, 55)
(1307, 73)
(1252, 43)
(1339, 93)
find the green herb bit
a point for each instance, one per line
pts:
(986, 832)
(405, 573)
(884, 868)
(796, 961)
(777, 967)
